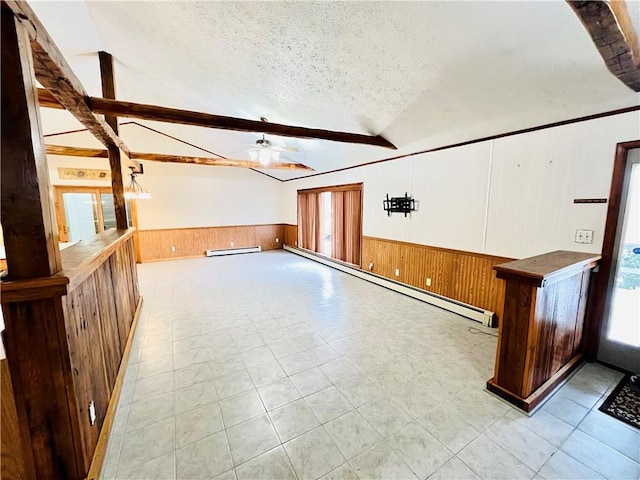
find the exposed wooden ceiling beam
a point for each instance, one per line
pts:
(54, 73)
(160, 157)
(612, 31)
(186, 117)
(76, 151)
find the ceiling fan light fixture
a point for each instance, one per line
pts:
(265, 156)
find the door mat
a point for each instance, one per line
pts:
(623, 403)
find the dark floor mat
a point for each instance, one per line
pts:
(623, 403)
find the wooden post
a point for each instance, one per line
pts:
(109, 91)
(28, 215)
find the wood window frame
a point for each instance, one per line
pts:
(341, 188)
(60, 190)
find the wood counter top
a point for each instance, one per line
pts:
(78, 262)
(548, 268)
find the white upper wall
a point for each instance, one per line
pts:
(202, 196)
(511, 197)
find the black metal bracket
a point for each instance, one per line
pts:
(404, 204)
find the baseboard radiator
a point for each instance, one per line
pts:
(232, 251)
(469, 311)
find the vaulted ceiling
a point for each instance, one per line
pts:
(420, 74)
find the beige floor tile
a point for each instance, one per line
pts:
(278, 393)
(381, 463)
(352, 434)
(454, 469)
(251, 438)
(385, 415)
(310, 381)
(293, 419)
(419, 449)
(328, 404)
(600, 457)
(203, 459)
(563, 467)
(197, 424)
(241, 407)
(273, 464)
(489, 460)
(314, 454)
(449, 428)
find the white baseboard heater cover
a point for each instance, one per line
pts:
(232, 251)
(469, 311)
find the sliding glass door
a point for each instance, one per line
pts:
(330, 221)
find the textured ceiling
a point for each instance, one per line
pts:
(422, 74)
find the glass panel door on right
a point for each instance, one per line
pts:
(620, 339)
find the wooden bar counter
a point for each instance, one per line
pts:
(541, 325)
(65, 338)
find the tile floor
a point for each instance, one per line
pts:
(271, 366)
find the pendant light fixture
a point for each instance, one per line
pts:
(134, 189)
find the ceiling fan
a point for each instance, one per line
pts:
(266, 152)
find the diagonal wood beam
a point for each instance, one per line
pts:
(612, 31)
(160, 157)
(199, 119)
(54, 73)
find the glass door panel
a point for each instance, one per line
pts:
(81, 212)
(108, 211)
(620, 340)
(326, 223)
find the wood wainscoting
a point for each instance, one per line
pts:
(291, 235)
(464, 276)
(156, 245)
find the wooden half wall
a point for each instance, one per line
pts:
(464, 276)
(164, 244)
(65, 340)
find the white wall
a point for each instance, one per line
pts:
(511, 196)
(202, 196)
(191, 195)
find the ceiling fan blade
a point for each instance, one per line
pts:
(284, 149)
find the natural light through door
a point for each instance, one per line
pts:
(325, 221)
(624, 319)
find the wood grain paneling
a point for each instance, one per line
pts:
(15, 459)
(464, 276)
(291, 235)
(541, 329)
(193, 242)
(74, 356)
(43, 386)
(28, 217)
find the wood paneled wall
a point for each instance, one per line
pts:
(464, 276)
(193, 242)
(65, 336)
(98, 316)
(291, 235)
(14, 451)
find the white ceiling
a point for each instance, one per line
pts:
(421, 74)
